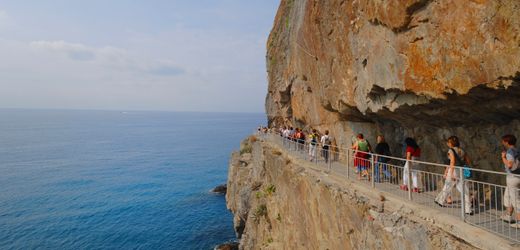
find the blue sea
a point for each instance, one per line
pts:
(116, 180)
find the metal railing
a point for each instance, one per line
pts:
(473, 201)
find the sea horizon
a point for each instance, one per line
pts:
(135, 110)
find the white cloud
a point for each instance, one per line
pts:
(5, 21)
(74, 51)
(174, 56)
(3, 15)
(115, 58)
(167, 70)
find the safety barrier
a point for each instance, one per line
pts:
(474, 201)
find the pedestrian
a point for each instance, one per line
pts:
(362, 151)
(325, 142)
(457, 157)
(512, 193)
(382, 149)
(301, 139)
(293, 138)
(313, 144)
(413, 152)
(286, 135)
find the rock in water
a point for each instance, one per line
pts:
(220, 189)
(227, 246)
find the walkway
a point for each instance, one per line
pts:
(486, 197)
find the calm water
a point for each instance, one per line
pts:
(113, 180)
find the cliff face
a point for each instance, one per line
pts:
(421, 68)
(280, 202)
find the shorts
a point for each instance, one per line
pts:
(512, 192)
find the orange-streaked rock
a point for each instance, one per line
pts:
(421, 68)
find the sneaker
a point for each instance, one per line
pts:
(469, 213)
(507, 218)
(404, 187)
(440, 205)
(416, 190)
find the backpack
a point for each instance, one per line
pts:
(326, 143)
(327, 140)
(466, 169)
(516, 166)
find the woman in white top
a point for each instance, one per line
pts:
(325, 143)
(457, 157)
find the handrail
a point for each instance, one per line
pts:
(415, 161)
(489, 198)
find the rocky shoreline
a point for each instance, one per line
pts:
(220, 189)
(227, 246)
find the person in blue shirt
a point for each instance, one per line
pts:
(512, 191)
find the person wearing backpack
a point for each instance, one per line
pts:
(511, 194)
(456, 157)
(325, 142)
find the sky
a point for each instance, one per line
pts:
(173, 55)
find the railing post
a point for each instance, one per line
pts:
(463, 197)
(372, 170)
(316, 155)
(328, 159)
(348, 163)
(409, 180)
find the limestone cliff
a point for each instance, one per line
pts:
(421, 68)
(281, 202)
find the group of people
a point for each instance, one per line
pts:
(315, 140)
(455, 156)
(362, 152)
